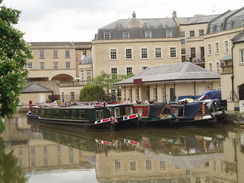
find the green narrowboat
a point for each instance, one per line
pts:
(82, 116)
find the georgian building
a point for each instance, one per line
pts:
(132, 45)
(58, 61)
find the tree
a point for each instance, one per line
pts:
(14, 52)
(107, 80)
(92, 92)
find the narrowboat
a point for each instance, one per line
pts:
(193, 114)
(124, 114)
(160, 114)
(33, 114)
(82, 116)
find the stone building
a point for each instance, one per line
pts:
(168, 82)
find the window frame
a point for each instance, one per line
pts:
(172, 53)
(158, 52)
(144, 53)
(113, 54)
(128, 53)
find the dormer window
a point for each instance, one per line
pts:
(219, 27)
(106, 35)
(229, 24)
(169, 33)
(148, 34)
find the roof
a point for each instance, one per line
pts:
(226, 57)
(173, 72)
(239, 37)
(35, 88)
(197, 19)
(87, 60)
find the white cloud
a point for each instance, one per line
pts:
(79, 20)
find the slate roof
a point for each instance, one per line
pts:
(226, 57)
(172, 72)
(239, 38)
(87, 60)
(35, 88)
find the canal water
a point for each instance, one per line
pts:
(57, 154)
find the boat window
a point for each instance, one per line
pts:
(81, 114)
(73, 114)
(97, 114)
(101, 114)
(42, 112)
(117, 112)
(127, 111)
(56, 113)
(48, 113)
(66, 113)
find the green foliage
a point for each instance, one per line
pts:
(13, 55)
(92, 92)
(107, 80)
(10, 171)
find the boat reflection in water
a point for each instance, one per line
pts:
(140, 155)
(182, 155)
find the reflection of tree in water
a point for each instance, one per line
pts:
(10, 171)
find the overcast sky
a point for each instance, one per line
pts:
(79, 20)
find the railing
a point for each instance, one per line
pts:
(75, 83)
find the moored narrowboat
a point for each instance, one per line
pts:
(160, 114)
(193, 114)
(82, 116)
(124, 115)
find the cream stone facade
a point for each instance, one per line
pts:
(58, 61)
(119, 48)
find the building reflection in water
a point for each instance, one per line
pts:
(138, 155)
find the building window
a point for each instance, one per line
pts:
(242, 56)
(242, 22)
(226, 46)
(88, 74)
(217, 48)
(83, 54)
(192, 33)
(113, 54)
(126, 35)
(218, 67)
(162, 165)
(42, 54)
(210, 67)
(67, 65)
(114, 72)
(55, 54)
(132, 165)
(148, 34)
(201, 32)
(229, 24)
(144, 53)
(169, 33)
(42, 65)
(158, 53)
(128, 70)
(107, 35)
(183, 54)
(128, 53)
(173, 52)
(183, 37)
(209, 49)
(148, 164)
(29, 65)
(193, 52)
(55, 65)
(117, 166)
(72, 96)
(33, 150)
(82, 75)
(67, 54)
